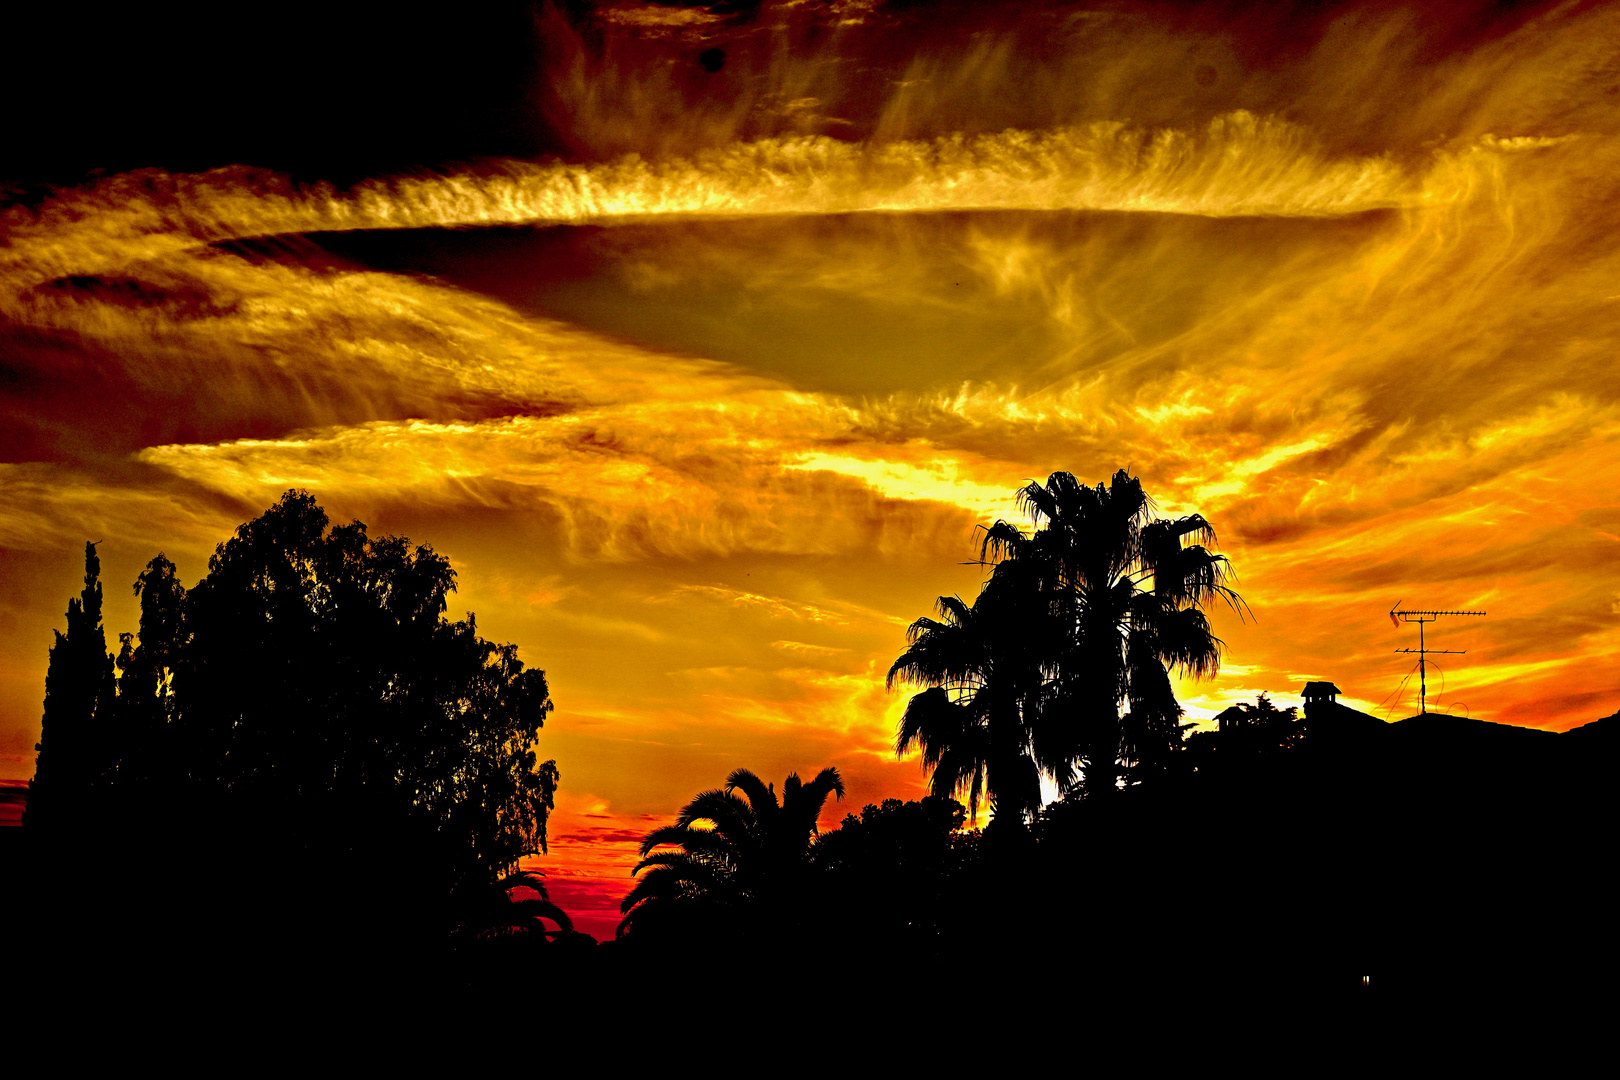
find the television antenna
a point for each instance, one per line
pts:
(1397, 616)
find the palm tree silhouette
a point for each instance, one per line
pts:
(496, 913)
(1067, 668)
(733, 852)
(984, 670)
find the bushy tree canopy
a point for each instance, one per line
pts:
(307, 705)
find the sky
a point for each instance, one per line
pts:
(705, 379)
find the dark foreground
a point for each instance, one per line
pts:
(1434, 856)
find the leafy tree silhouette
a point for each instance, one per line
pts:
(1062, 665)
(739, 857)
(307, 702)
(319, 672)
(900, 878)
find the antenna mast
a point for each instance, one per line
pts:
(1397, 617)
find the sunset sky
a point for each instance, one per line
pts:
(703, 379)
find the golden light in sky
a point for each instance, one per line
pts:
(705, 410)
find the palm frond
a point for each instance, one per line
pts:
(939, 652)
(694, 862)
(709, 844)
(728, 813)
(760, 797)
(1183, 639)
(813, 796)
(931, 720)
(1194, 574)
(958, 766)
(957, 612)
(523, 911)
(1001, 541)
(926, 627)
(1040, 503)
(828, 782)
(659, 882)
(523, 879)
(666, 834)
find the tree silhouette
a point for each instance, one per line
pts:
(307, 702)
(74, 760)
(899, 878)
(319, 673)
(732, 854)
(983, 665)
(1062, 665)
(1093, 552)
(1247, 730)
(497, 913)
(144, 708)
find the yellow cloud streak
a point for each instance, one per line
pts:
(1238, 164)
(940, 480)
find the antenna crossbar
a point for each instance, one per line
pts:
(1397, 616)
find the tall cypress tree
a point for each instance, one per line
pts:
(75, 758)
